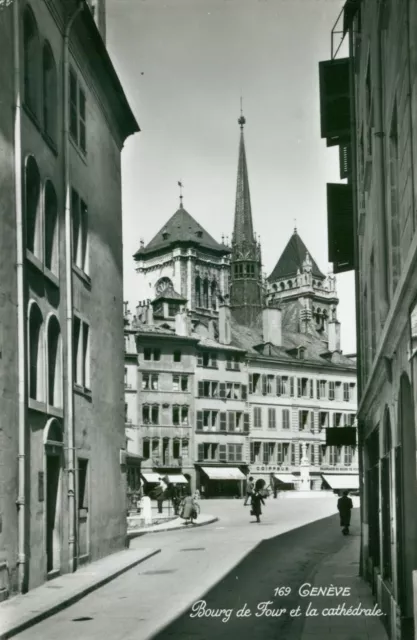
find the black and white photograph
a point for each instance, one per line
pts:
(208, 319)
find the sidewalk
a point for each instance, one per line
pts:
(23, 611)
(171, 525)
(341, 569)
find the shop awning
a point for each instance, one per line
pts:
(151, 477)
(176, 478)
(288, 478)
(337, 481)
(223, 473)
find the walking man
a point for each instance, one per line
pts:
(344, 506)
(249, 491)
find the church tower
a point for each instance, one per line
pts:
(246, 263)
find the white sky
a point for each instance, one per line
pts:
(197, 57)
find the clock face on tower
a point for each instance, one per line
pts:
(162, 285)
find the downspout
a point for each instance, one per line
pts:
(20, 277)
(71, 466)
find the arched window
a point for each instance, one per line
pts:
(54, 350)
(213, 294)
(30, 60)
(51, 228)
(32, 202)
(198, 291)
(289, 284)
(49, 91)
(53, 432)
(282, 285)
(205, 293)
(36, 362)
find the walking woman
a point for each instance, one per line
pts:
(257, 500)
(189, 509)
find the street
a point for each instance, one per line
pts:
(226, 564)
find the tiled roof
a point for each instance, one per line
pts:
(181, 228)
(292, 259)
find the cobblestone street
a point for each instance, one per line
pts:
(227, 564)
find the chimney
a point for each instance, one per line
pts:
(181, 324)
(333, 332)
(211, 328)
(225, 333)
(149, 314)
(272, 325)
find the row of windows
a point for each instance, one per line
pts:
(306, 419)
(150, 382)
(205, 293)
(165, 450)
(286, 453)
(232, 421)
(224, 390)
(151, 414)
(231, 452)
(207, 359)
(45, 358)
(283, 415)
(263, 384)
(155, 355)
(244, 270)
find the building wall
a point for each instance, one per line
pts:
(8, 318)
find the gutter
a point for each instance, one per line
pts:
(21, 312)
(69, 298)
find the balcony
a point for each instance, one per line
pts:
(166, 461)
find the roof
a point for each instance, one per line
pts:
(169, 294)
(292, 259)
(243, 225)
(181, 228)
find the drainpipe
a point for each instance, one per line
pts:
(69, 299)
(21, 315)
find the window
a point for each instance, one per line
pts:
(32, 205)
(152, 354)
(81, 353)
(54, 349)
(294, 449)
(331, 390)
(303, 387)
(180, 415)
(184, 448)
(77, 112)
(337, 419)
(272, 418)
(233, 362)
(222, 453)
(31, 60)
(150, 414)
(35, 353)
(180, 383)
(254, 383)
(323, 420)
(346, 392)
(51, 229)
(207, 420)
(82, 483)
(255, 452)
(235, 452)
(257, 417)
(285, 418)
(338, 391)
(208, 360)
(150, 382)
(322, 389)
(333, 455)
(282, 452)
(49, 92)
(198, 291)
(79, 216)
(348, 455)
(177, 356)
(234, 421)
(146, 449)
(172, 309)
(302, 420)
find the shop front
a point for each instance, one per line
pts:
(221, 482)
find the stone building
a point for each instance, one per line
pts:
(368, 108)
(63, 121)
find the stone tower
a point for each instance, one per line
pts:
(246, 263)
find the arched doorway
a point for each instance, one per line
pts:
(53, 444)
(406, 498)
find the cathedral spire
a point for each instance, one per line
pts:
(243, 226)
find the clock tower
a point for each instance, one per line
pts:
(246, 262)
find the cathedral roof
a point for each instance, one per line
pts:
(292, 259)
(181, 228)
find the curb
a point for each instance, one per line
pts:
(136, 534)
(71, 599)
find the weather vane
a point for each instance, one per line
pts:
(181, 188)
(295, 225)
(242, 118)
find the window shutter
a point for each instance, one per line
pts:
(246, 422)
(200, 388)
(223, 421)
(345, 160)
(214, 360)
(231, 420)
(300, 419)
(311, 388)
(312, 421)
(340, 226)
(200, 360)
(252, 452)
(222, 390)
(199, 420)
(244, 392)
(264, 385)
(279, 387)
(292, 387)
(250, 383)
(299, 387)
(222, 453)
(318, 389)
(335, 102)
(200, 451)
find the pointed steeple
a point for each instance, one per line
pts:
(243, 226)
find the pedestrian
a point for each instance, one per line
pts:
(257, 500)
(344, 506)
(162, 487)
(196, 495)
(189, 509)
(250, 486)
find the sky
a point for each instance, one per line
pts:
(184, 64)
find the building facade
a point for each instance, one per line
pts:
(376, 132)
(63, 122)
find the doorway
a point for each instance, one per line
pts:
(53, 545)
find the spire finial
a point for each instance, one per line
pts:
(242, 119)
(295, 225)
(181, 187)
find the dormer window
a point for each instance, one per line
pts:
(199, 233)
(165, 234)
(301, 353)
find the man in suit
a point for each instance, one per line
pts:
(344, 506)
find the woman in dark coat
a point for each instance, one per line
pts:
(344, 506)
(257, 500)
